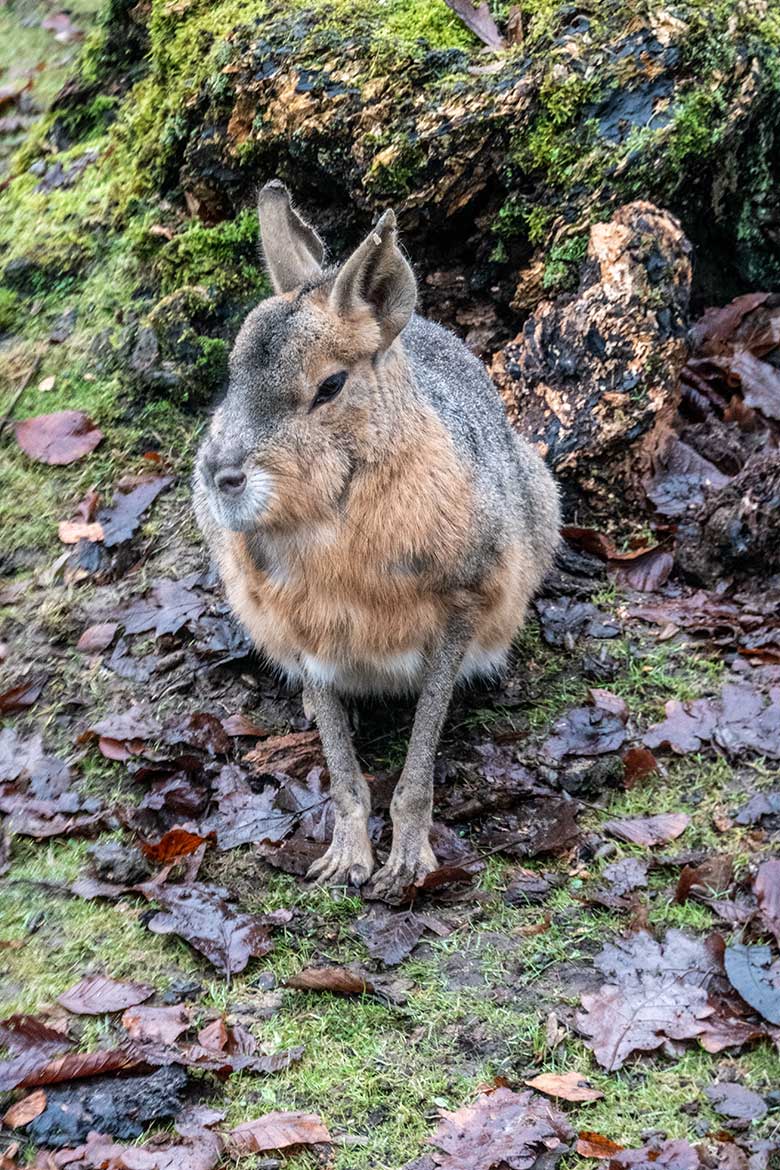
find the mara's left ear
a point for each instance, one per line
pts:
(377, 275)
(293, 251)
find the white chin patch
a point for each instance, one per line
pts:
(245, 512)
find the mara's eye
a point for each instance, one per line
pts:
(329, 388)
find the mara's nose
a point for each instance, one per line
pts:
(231, 481)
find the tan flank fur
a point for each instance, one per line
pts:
(377, 524)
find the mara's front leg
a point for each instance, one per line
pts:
(411, 856)
(349, 859)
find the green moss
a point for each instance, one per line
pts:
(9, 310)
(408, 23)
(697, 128)
(561, 269)
(224, 257)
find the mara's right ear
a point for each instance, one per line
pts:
(292, 250)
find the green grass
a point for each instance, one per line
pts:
(376, 1072)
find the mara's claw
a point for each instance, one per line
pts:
(409, 862)
(348, 862)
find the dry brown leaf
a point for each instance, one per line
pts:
(571, 1086)
(277, 1131)
(96, 994)
(338, 979)
(175, 843)
(655, 830)
(59, 438)
(22, 1112)
(594, 1145)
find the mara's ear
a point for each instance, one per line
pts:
(292, 250)
(377, 275)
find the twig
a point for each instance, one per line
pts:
(25, 382)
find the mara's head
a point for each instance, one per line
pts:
(308, 376)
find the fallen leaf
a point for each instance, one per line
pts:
(655, 991)
(22, 1112)
(606, 701)
(20, 697)
(594, 1145)
(541, 825)
(564, 620)
(619, 1021)
(728, 1031)
(479, 19)
(445, 875)
(201, 730)
(340, 980)
(240, 725)
(391, 936)
(571, 1086)
(277, 1131)
(123, 733)
(673, 1155)
(500, 1127)
(626, 875)
(169, 606)
(585, 731)
(156, 1025)
(755, 975)
(25, 759)
(175, 843)
(766, 886)
(200, 915)
(243, 816)
(739, 721)
(96, 994)
(646, 572)
(42, 819)
(59, 438)
(763, 804)
(735, 1101)
(707, 880)
(526, 888)
(688, 726)
(120, 521)
(22, 1033)
(638, 764)
(97, 638)
(29, 1071)
(655, 830)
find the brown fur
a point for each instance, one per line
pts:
(346, 602)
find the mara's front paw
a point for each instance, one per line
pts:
(411, 859)
(349, 861)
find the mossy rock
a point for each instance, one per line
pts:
(497, 164)
(33, 272)
(175, 352)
